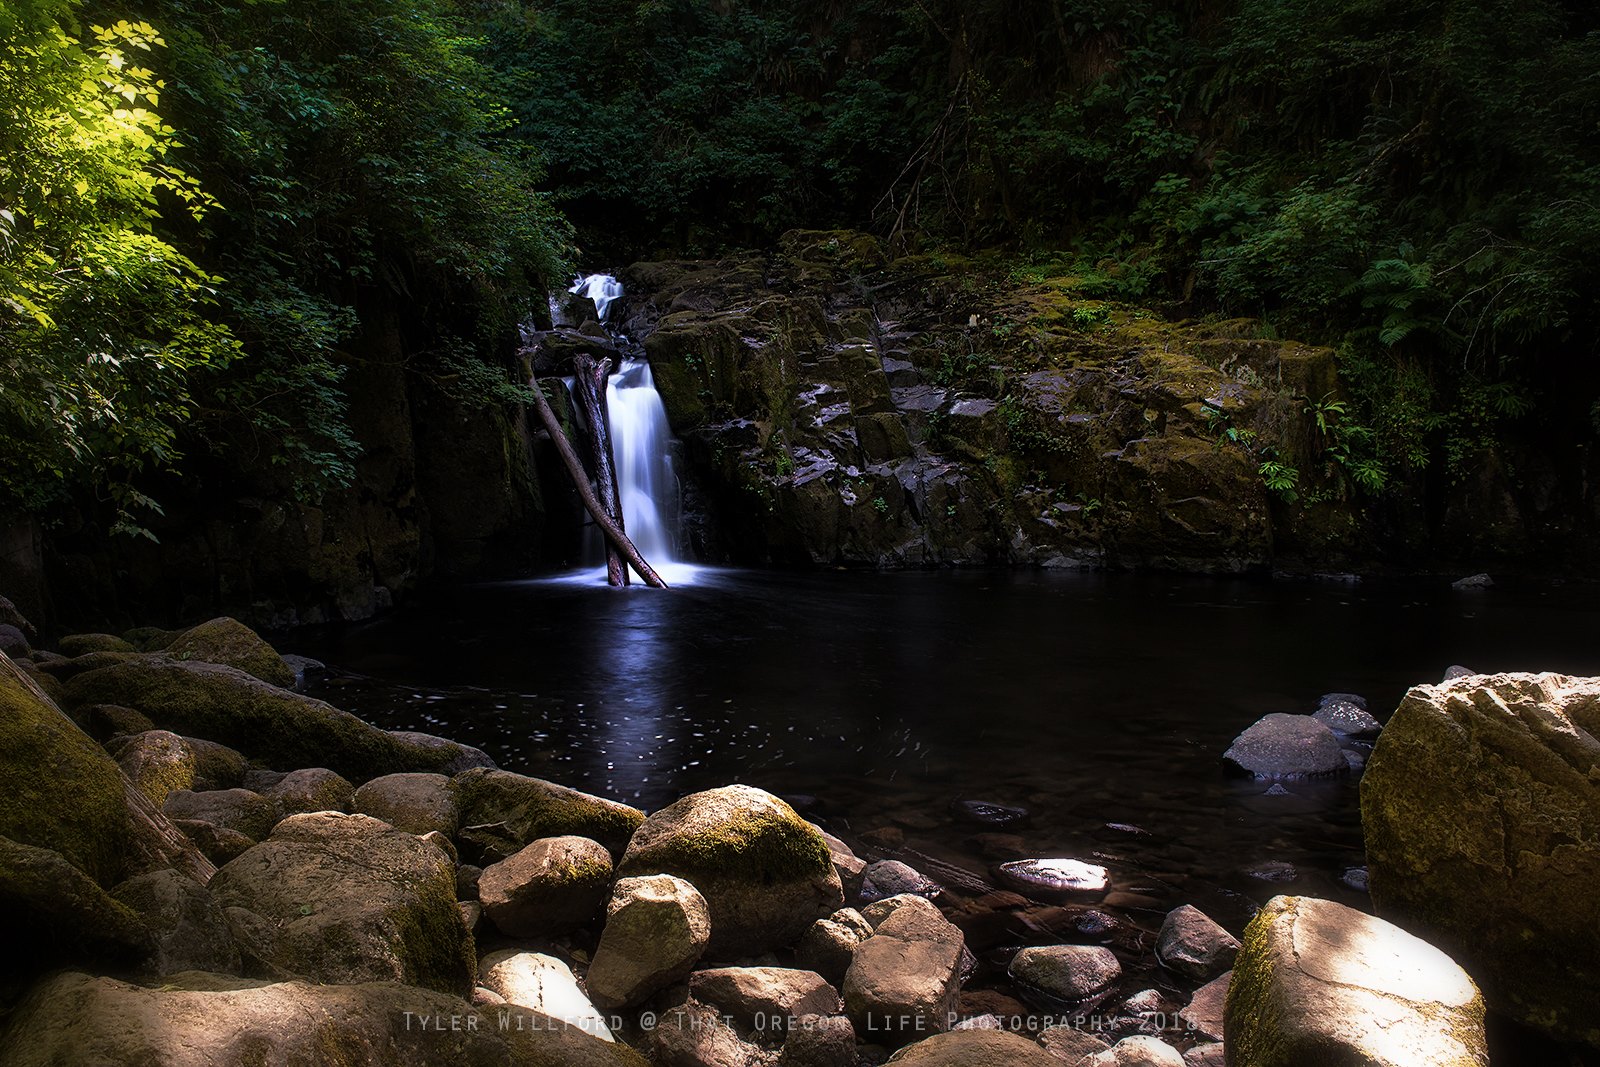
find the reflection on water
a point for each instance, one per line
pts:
(1087, 699)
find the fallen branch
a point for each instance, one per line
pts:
(590, 382)
(580, 478)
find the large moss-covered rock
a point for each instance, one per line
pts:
(55, 914)
(233, 644)
(766, 874)
(510, 811)
(208, 1020)
(1318, 984)
(1481, 810)
(62, 792)
(346, 898)
(229, 706)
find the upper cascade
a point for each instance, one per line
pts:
(603, 289)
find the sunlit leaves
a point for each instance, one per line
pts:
(102, 322)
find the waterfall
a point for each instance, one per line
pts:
(641, 450)
(603, 289)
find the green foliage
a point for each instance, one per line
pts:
(363, 154)
(104, 325)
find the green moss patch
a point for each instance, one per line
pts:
(62, 792)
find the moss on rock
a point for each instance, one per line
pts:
(765, 873)
(62, 791)
(83, 644)
(521, 810)
(233, 644)
(227, 705)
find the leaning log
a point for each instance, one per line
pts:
(580, 478)
(153, 843)
(590, 385)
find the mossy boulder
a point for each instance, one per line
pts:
(1481, 811)
(504, 812)
(83, 644)
(766, 874)
(203, 1018)
(266, 722)
(157, 762)
(1318, 984)
(233, 644)
(216, 766)
(415, 803)
(62, 791)
(239, 810)
(346, 898)
(55, 914)
(553, 886)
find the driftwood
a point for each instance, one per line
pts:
(590, 382)
(153, 842)
(580, 478)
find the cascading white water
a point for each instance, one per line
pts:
(641, 451)
(603, 289)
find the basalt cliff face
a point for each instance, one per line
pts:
(839, 409)
(842, 408)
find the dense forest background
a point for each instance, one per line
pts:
(214, 213)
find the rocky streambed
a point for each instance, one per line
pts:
(204, 865)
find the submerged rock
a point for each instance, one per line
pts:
(1345, 718)
(1481, 815)
(1061, 877)
(988, 813)
(1287, 746)
(891, 878)
(1192, 944)
(1065, 973)
(1319, 982)
(765, 873)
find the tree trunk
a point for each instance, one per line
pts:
(153, 842)
(591, 388)
(580, 478)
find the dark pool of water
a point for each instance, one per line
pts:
(1089, 699)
